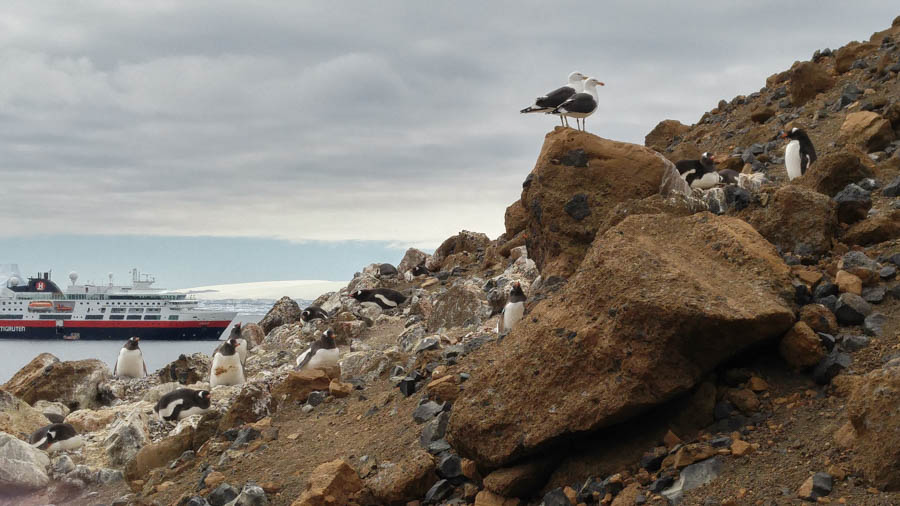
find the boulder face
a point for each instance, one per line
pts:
(874, 417)
(285, 311)
(515, 219)
(868, 130)
(664, 133)
(845, 56)
(18, 418)
(461, 249)
(22, 468)
(73, 383)
(654, 293)
(797, 220)
(879, 228)
(577, 179)
(833, 172)
(459, 306)
(808, 79)
(186, 369)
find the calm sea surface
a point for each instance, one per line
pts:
(16, 353)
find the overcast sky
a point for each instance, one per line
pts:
(394, 122)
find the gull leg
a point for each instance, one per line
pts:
(561, 122)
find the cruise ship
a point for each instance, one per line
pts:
(36, 308)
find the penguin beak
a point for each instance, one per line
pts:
(784, 135)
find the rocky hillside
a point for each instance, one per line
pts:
(733, 346)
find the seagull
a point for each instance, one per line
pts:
(580, 105)
(552, 99)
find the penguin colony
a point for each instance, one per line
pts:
(578, 99)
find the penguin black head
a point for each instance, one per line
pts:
(305, 315)
(328, 339)
(707, 159)
(795, 133)
(132, 344)
(236, 330)
(48, 439)
(228, 347)
(517, 289)
(356, 294)
(203, 395)
(420, 270)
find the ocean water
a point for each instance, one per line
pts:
(16, 353)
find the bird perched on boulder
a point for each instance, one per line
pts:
(384, 297)
(243, 345)
(313, 313)
(799, 153)
(547, 103)
(182, 403)
(699, 173)
(56, 437)
(226, 368)
(580, 105)
(130, 363)
(322, 353)
(513, 311)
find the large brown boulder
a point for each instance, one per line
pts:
(664, 133)
(18, 418)
(833, 172)
(657, 303)
(404, 481)
(251, 404)
(460, 306)
(808, 79)
(797, 220)
(284, 311)
(873, 413)
(845, 56)
(867, 130)
(879, 228)
(412, 258)
(577, 179)
(297, 385)
(74, 383)
(461, 249)
(186, 369)
(801, 348)
(334, 482)
(515, 219)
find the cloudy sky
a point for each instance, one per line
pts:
(216, 142)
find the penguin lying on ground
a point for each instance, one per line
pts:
(226, 368)
(182, 403)
(56, 437)
(799, 154)
(243, 346)
(322, 353)
(130, 363)
(513, 311)
(728, 176)
(384, 297)
(699, 173)
(313, 313)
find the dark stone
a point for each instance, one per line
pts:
(822, 484)
(721, 442)
(449, 467)
(824, 289)
(397, 371)
(831, 366)
(849, 95)
(408, 385)
(586, 492)
(438, 447)
(736, 197)
(854, 342)
(613, 487)
(443, 275)
(435, 429)
(454, 351)
(245, 436)
(429, 343)
(853, 204)
(892, 189)
(661, 484)
(578, 207)
(193, 501)
(723, 410)
(830, 302)
(438, 492)
(887, 272)
(851, 309)
(868, 184)
(427, 411)
(873, 325)
(575, 158)
(556, 497)
(652, 460)
(317, 397)
(736, 377)
(827, 340)
(874, 294)
(222, 495)
(802, 295)
(476, 342)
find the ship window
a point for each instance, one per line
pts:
(117, 310)
(134, 317)
(116, 317)
(173, 317)
(56, 317)
(151, 317)
(136, 310)
(102, 309)
(153, 310)
(93, 317)
(10, 317)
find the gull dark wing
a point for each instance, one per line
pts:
(580, 102)
(555, 97)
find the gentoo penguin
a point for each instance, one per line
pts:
(513, 311)
(580, 105)
(130, 363)
(56, 437)
(322, 353)
(313, 313)
(243, 346)
(226, 366)
(799, 153)
(420, 270)
(182, 403)
(699, 173)
(729, 176)
(552, 100)
(384, 297)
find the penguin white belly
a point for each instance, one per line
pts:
(130, 364)
(385, 301)
(194, 410)
(168, 409)
(226, 370)
(73, 443)
(706, 182)
(242, 349)
(324, 359)
(512, 313)
(792, 159)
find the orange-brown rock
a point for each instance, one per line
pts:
(757, 384)
(396, 483)
(252, 403)
(159, 454)
(18, 418)
(740, 448)
(515, 219)
(845, 56)
(73, 383)
(867, 130)
(808, 276)
(284, 311)
(797, 220)
(577, 179)
(339, 389)
(520, 480)
(833, 172)
(664, 133)
(459, 306)
(443, 389)
(688, 454)
(819, 318)
(882, 227)
(744, 399)
(332, 483)
(458, 250)
(253, 333)
(297, 385)
(488, 498)
(872, 409)
(90, 420)
(655, 293)
(808, 79)
(628, 496)
(847, 282)
(801, 347)
(762, 114)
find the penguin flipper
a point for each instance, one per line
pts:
(145, 368)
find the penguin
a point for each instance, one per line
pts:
(420, 270)
(182, 403)
(243, 346)
(513, 311)
(384, 297)
(130, 363)
(313, 313)
(56, 437)
(699, 173)
(322, 353)
(799, 153)
(226, 366)
(729, 176)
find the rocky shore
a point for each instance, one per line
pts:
(723, 347)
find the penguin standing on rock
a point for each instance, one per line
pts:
(130, 363)
(699, 173)
(322, 353)
(313, 313)
(56, 437)
(226, 366)
(513, 311)
(243, 346)
(384, 297)
(182, 403)
(799, 153)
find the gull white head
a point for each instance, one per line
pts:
(576, 80)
